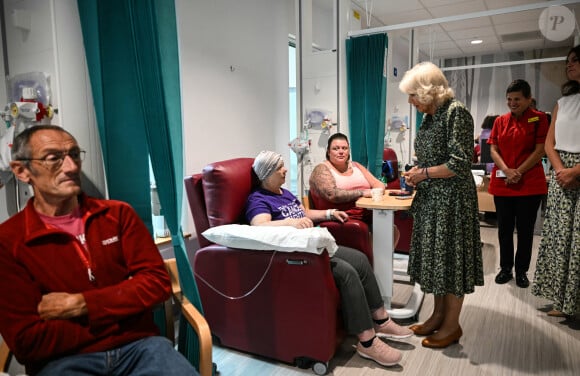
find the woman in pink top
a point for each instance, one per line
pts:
(340, 182)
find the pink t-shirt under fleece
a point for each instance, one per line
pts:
(71, 223)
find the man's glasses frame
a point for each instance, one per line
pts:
(55, 159)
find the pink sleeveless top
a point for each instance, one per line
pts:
(354, 181)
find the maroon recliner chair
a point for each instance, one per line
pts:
(279, 305)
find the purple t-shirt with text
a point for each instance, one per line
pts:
(279, 206)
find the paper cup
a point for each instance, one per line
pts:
(377, 194)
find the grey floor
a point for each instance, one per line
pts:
(506, 332)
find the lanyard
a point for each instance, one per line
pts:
(82, 255)
(74, 226)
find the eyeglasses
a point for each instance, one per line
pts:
(56, 159)
(572, 60)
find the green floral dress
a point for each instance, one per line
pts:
(445, 255)
(557, 276)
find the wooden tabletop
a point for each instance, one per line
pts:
(387, 203)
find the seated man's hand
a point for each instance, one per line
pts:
(60, 305)
(304, 222)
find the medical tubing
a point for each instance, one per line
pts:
(243, 295)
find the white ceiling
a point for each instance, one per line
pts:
(500, 33)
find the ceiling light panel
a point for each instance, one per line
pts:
(502, 19)
(518, 27)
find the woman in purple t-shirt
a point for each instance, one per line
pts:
(361, 302)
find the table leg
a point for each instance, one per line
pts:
(383, 266)
(383, 252)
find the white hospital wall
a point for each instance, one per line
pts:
(54, 45)
(234, 79)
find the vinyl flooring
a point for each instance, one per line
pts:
(506, 333)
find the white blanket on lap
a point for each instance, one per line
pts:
(279, 238)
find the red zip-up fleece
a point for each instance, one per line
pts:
(130, 279)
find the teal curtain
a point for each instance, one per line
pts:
(367, 92)
(419, 117)
(132, 55)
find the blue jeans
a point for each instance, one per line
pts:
(151, 356)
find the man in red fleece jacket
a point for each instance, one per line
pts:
(79, 276)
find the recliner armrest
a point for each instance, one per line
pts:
(352, 233)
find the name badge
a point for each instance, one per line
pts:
(532, 119)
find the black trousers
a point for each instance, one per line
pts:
(517, 212)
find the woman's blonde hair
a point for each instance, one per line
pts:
(428, 83)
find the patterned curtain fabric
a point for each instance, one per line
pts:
(132, 55)
(367, 92)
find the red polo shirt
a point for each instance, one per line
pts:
(516, 139)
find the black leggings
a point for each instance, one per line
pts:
(517, 212)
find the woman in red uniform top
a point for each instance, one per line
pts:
(517, 180)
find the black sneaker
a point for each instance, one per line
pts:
(522, 280)
(503, 276)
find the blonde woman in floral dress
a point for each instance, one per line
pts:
(445, 256)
